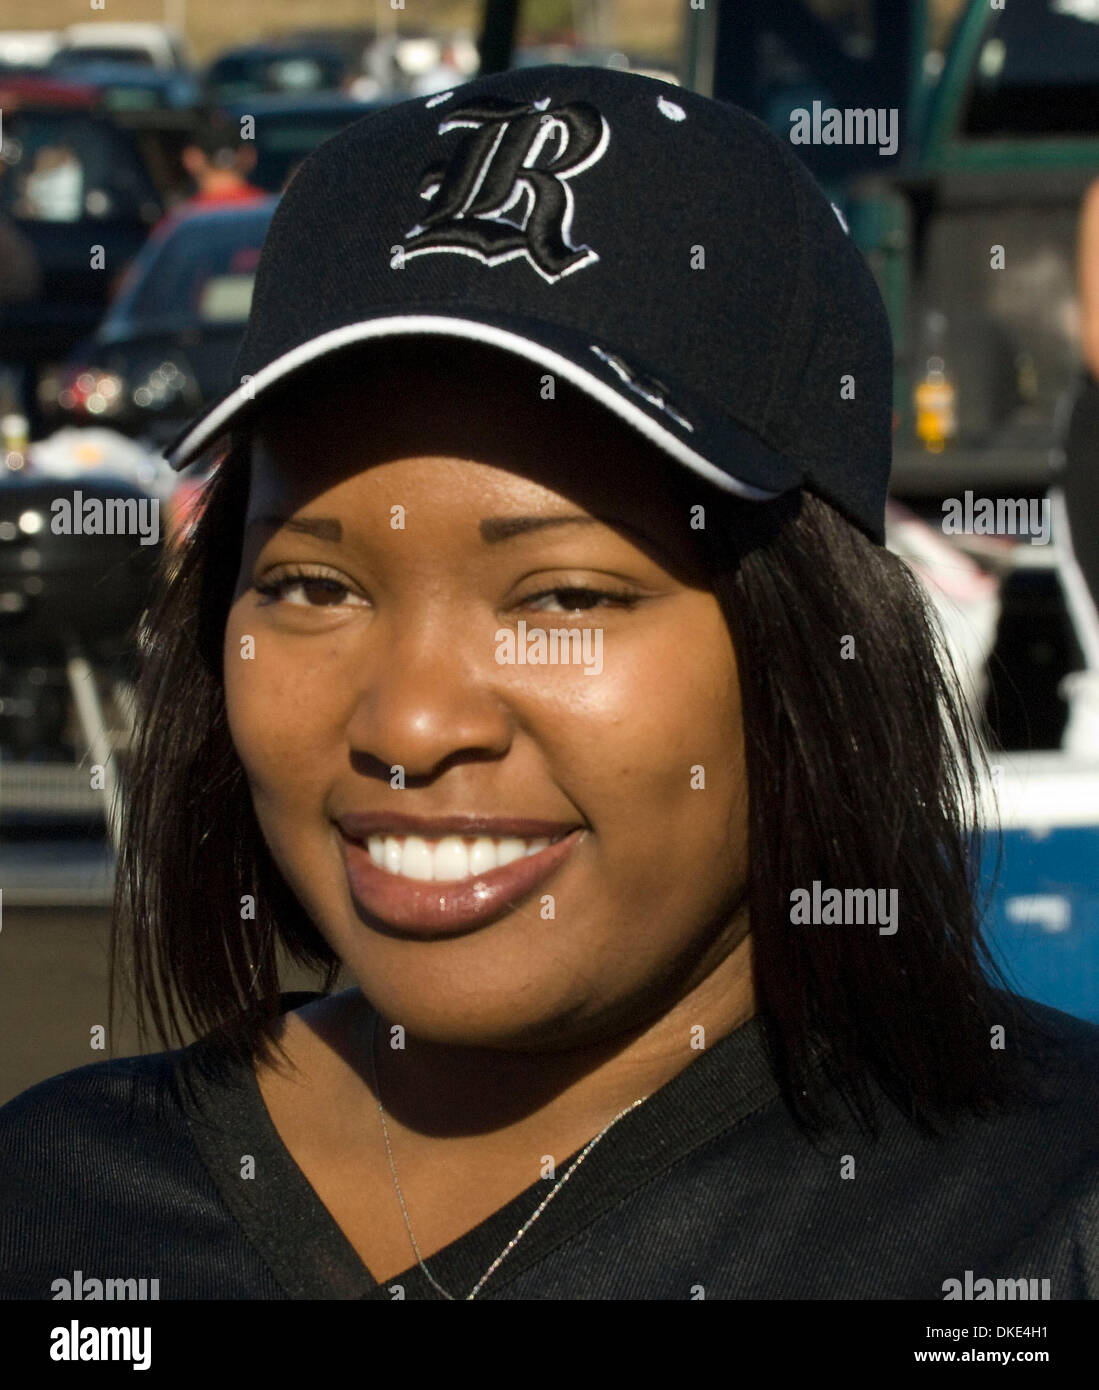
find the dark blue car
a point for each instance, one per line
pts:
(166, 346)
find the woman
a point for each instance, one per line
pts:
(536, 661)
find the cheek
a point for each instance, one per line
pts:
(656, 748)
(283, 721)
(656, 762)
(281, 712)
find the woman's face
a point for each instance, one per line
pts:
(374, 669)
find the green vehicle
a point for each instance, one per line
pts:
(973, 239)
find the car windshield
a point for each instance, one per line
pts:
(247, 75)
(64, 167)
(1037, 71)
(94, 53)
(200, 273)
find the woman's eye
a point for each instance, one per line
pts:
(576, 600)
(324, 591)
(306, 590)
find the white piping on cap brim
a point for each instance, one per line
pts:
(443, 324)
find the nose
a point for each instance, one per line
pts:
(429, 696)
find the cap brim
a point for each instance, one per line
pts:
(761, 473)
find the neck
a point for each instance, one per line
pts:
(218, 181)
(440, 1090)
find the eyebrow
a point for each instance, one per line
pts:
(503, 528)
(325, 528)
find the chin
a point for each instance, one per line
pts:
(442, 1017)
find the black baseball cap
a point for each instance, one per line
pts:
(665, 253)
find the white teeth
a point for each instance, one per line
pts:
(482, 856)
(449, 859)
(417, 860)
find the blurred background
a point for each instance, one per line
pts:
(142, 152)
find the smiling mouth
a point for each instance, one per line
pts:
(450, 858)
(451, 881)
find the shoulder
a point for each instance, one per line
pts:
(109, 1102)
(1046, 1134)
(116, 1075)
(1031, 1178)
(1042, 1121)
(1057, 1057)
(86, 1160)
(1059, 1037)
(106, 1169)
(120, 1088)
(69, 1113)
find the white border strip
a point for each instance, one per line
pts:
(1041, 792)
(477, 332)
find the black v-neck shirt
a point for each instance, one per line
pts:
(708, 1190)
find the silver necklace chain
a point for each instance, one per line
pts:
(522, 1230)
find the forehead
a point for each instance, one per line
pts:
(467, 404)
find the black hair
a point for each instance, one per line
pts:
(216, 134)
(865, 769)
(863, 772)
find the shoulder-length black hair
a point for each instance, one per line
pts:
(863, 772)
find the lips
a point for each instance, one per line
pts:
(449, 874)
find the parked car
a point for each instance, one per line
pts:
(1000, 149)
(158, 109)
(165, 348)
(80, 193)
(280, 66)
(30, 48)
(126, 86)
(150, 45)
